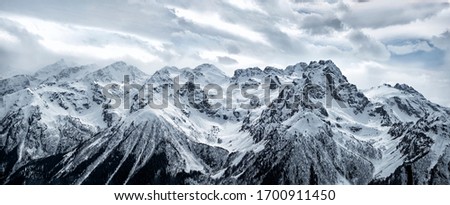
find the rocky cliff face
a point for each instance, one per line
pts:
(305, 124)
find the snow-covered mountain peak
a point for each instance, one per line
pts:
(382, 91)
(16, 83)
(408, 89)
(320, 129)
(61, 63)
(323, 67)
(163, 76)
(120, 66)
(296, 69)
(170, 70)
(242, 75)
(211, 73)
(116, 72)
(52, 69)
(202, 74)
(273, 71)
(72, 73)
(206, 67)
(386, 91)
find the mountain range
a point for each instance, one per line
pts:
(305, 124)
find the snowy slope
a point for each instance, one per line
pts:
(59, 126)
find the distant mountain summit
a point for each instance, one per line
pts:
(305, 124)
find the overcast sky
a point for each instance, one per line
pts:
(373, 42)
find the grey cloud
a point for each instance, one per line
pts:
(233, 49)
(377, 14)
(24, 55)
(28, 53)
(226, 60)
(191, 40)
(143, 19)
(330, 29)
(442, 41)
(367, 47)
(305, 1)
(315, 18)
(319, 24)
(409, 47)
(206, 33)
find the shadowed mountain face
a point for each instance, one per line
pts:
(305, 124)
